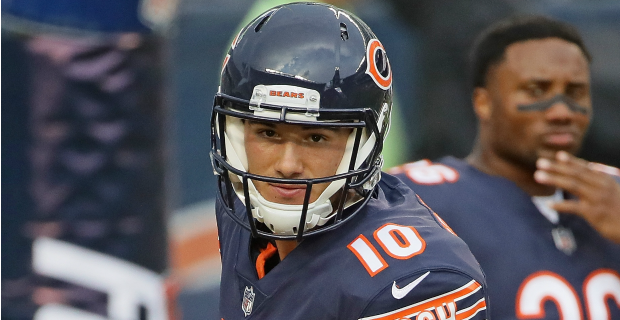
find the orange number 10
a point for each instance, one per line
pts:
(399, 242)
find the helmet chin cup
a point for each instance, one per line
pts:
(286, 222)
(285, 219)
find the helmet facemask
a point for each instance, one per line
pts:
(352, 182)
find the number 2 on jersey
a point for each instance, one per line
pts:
(600, 287)
(399, 242)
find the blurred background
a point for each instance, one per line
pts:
(105, 135)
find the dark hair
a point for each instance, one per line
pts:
(490, 46)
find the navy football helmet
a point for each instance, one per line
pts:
(307, 64)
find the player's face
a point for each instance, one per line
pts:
(533, 71)
(293, 152)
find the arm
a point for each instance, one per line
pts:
(598, 193)
(430, 295)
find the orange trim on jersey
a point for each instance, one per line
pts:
(412, 310)
(471, 311)
(444, 224)
(264, 255)
(430, 174)
(403, 167)
(541, 308)
(372, 273)
(441, 221)
(423, 203)
(608, 296)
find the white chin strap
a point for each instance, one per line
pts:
(283, 219)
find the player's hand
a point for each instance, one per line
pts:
(598, 194)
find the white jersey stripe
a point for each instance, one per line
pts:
(466, 288)
(475, 313)
(468, 294)
(472, 310)
(470, 307)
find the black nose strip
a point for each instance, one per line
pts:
(546, 104)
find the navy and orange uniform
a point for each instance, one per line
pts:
(393, 260)
(535, 268)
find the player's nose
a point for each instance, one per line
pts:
(560, 111)
(289, 163)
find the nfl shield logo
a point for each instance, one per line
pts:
(564, 240)
(248, 300)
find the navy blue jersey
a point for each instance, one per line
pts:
(393, 260)
(529, 277)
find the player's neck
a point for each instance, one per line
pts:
(522, 175)
(285, 247)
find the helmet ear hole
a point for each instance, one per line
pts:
(261, 23)
(344, 33)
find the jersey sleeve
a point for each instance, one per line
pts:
(430, 295)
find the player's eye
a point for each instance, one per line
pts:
(536, 91)
(576, 92)
(316, 138)
(269, 133)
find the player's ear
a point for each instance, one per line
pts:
(482, 103)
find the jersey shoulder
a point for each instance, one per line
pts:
(451, 184)
(402, 215)
(425, 172)
(448, 170)
(402, 203)
(409, 263)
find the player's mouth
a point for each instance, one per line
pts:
(288, 191)
(560, 139)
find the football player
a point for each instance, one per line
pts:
(544, 224)
(309, 227)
